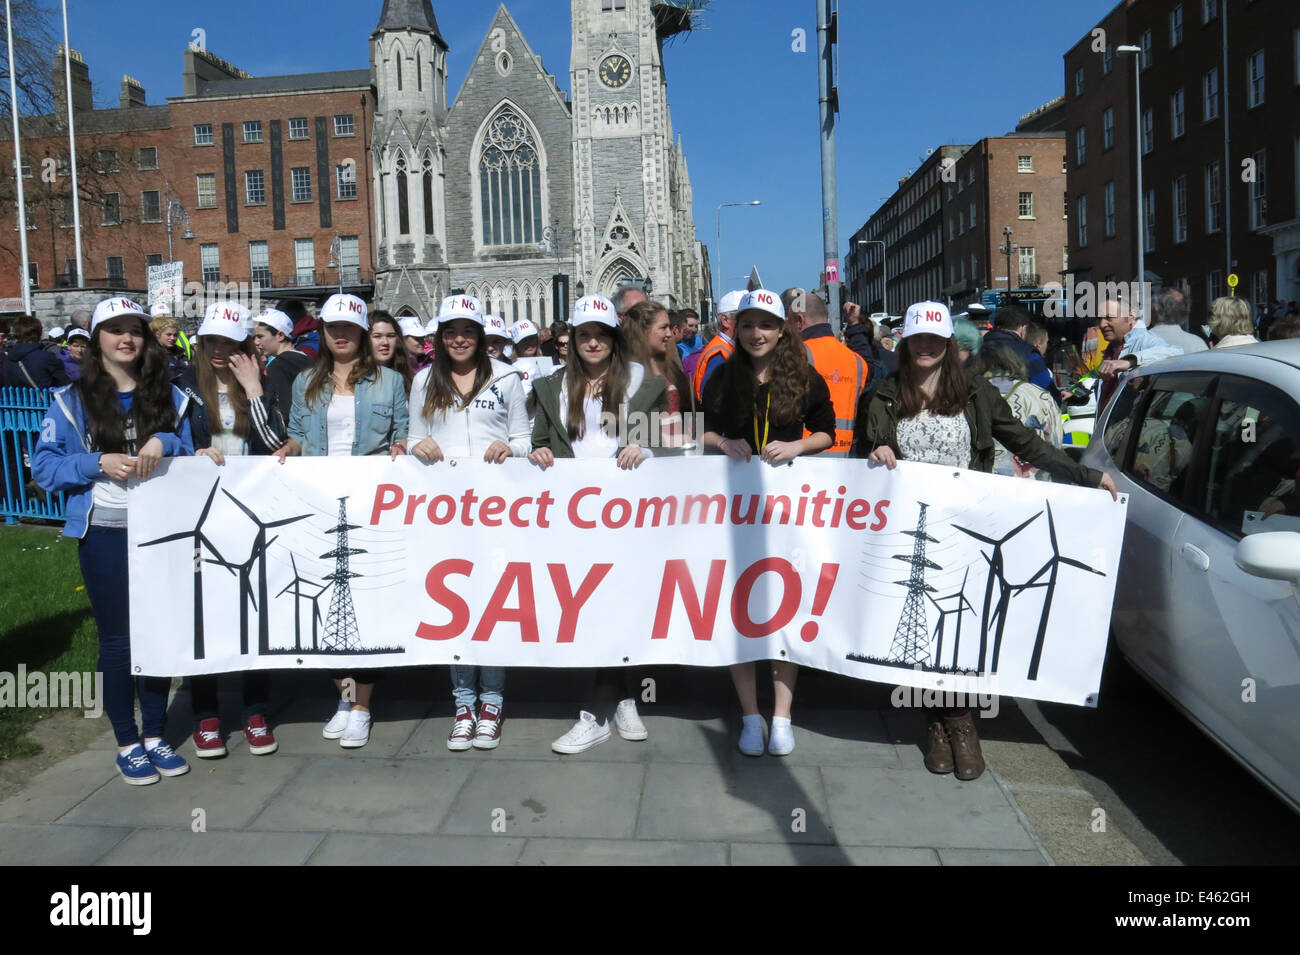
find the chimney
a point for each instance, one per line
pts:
(81, 98)
(132, 93)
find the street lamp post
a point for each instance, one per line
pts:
(175, 213)
(1007, 249)
(884, 266)
(717, 295)
(1141, 211)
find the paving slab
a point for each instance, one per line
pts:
(753, 853)
(180, 847)
(354, 848)
(365, 794)
(759, 800)
(56, 845)
(1067, 823)
(231, 792)
(591, 800)
(58, 789)
(603, 852)
(904, 807)
(838, 738)
(987, 857)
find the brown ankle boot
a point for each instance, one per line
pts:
(965, 744)
(938, 753)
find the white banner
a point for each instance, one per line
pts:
(165, 282)
(925, 576)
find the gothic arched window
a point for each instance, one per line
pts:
(403, 203)
(510, 182)
(428, 196)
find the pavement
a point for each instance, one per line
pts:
(853, 792)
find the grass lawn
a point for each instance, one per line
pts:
(45, 620)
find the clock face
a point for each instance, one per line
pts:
(615, 71)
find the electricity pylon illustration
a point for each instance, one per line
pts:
(963, 605)
(200, 541)
(911, 636)
(996, 567)
(341, 621)
(264, 608)
(1049, 588)
(246, 595)
(296, 585)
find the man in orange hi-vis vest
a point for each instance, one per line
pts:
(845, 373)
(720, 348)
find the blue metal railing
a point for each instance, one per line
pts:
(21, 413)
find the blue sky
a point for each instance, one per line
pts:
(912, 76)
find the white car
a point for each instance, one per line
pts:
(1207, 604)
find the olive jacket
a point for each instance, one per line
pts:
(990, 419)
(648, 393)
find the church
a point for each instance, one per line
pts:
(513, 191)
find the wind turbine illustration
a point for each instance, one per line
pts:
(245, 574)
(260, 546)
(296, 586)
(996, 567)
(1049, 587)
(963, 605)
(200, 541)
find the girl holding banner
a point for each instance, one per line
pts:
(118, 420)
(467, 404)
(760, 402)
(229, 415)
(650, 340)
(348, 405)
(598, 387)
(932, 411)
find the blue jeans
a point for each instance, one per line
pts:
(103, 555)
(464, 679)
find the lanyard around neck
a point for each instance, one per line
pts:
(760, 444)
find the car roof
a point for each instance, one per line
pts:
(1286, 351)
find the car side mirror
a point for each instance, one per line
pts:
(1275, 555)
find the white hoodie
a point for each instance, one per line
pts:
(496, 413)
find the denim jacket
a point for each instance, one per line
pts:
(381, 414)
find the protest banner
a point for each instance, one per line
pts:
(922, 576)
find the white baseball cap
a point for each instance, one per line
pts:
(161, 307)
(56, 333)
(227, 319)
(460, 306)
(345, 308)
(411, 326)
(274, 318)
(731, 302)
(495, 325)
(78, 333)
(761, 300)
(593, 308)
(113, 308)
(521, 330)
(928, 318)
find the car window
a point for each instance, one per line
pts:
(1254, 458)
(1120, 418)
(1162, 455)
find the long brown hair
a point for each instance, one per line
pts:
(440, 392)
(949, 398)
(208, 388)
(637, 322)
(322, 372)
(789, 382)
(612, 391)
(401, 361)
(152, 409)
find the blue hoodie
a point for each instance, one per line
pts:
(63, 459)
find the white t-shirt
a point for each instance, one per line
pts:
(595, 443)
(227, 442)
(341, 425)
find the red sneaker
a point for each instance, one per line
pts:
(488, 735)
(462, 730)
(207, 739)
(258, 734)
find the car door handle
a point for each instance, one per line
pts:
(1196, 557)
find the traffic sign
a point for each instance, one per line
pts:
(1233, 280)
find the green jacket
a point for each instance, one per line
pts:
(989, 417)
(649, 394)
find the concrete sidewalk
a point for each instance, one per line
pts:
(853, 792)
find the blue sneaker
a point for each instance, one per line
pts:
(135, 767)
(166, 761)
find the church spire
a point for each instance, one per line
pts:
(409, 15)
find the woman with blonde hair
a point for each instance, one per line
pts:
(166, 330)
(1231, 323)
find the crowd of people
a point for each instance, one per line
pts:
(768, 379)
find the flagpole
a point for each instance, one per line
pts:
(72, 150)
(18, 163)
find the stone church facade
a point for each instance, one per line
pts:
(512, 183)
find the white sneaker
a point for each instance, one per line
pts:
(338, 722)
(751, 736)
(585, 734)
(781, 737)
(358, 732)
(629, 722)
